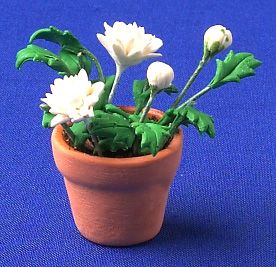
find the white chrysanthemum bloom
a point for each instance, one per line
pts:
(73, 98)
(160, 75)
(128, 44)
(217, 38)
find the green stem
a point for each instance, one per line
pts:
(96, 62)
(119, 71)
(196, 96)
(97, 149)
(147, 108)
(200, 66)
(69, 132)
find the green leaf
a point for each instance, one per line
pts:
(113, 131)
(233, 68)
(141, 94)
(171, 90)
(36, 53)
(46, 119)
(74, 62)
(80, 134)
(189, 115)
(114, 109)
(64, 38)
(69, 60)
(104, 97)
(153, 137)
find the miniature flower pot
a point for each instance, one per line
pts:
(117, 201)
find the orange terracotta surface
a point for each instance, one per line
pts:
(117, 201)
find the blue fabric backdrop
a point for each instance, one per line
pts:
(221, 209)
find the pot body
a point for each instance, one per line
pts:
(117, 201)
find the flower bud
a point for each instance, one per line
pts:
(160, 75)
(216, 39)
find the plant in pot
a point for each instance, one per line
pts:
(118, 162)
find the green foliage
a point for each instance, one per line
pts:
(153, 137)
(104, 97)
(113, 131)
(141, 92)
(114, 109)
(203, 122)
(68, 61)
(189, 115)
(170, 90)
(46, 119)
(233, 68)
(63, 38)
(80, 134)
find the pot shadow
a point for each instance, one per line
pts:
(194, 231)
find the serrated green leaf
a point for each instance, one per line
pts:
(233, 68)
(113, 131)
(46, 119)
(189, 115)
(64, 38)
(141, 94)
(153, 137)
(80, 134)
(104, 97)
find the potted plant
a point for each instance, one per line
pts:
(118, 162)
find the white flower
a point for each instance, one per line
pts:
(128, 44)
(217, 38)
(72, 98)
(160, 75)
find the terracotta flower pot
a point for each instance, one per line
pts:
(117, 201)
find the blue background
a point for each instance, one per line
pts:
(221, 209)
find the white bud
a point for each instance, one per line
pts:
(216, 39)
(160, 75)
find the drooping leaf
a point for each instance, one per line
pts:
(64, 38)
(104, 97)
(189, 115)
(70, 59)
(113, 131)
(233, 68)
(141, 94)
(46, 119)
(36, 53)
(153, 137)
(80, 134)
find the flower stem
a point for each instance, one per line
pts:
(119, 71)
(200, 66)
(196, 96)
(147, 108)
(97, 149)
(96, 62)
(69, 132)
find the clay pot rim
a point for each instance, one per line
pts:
(60, 143)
